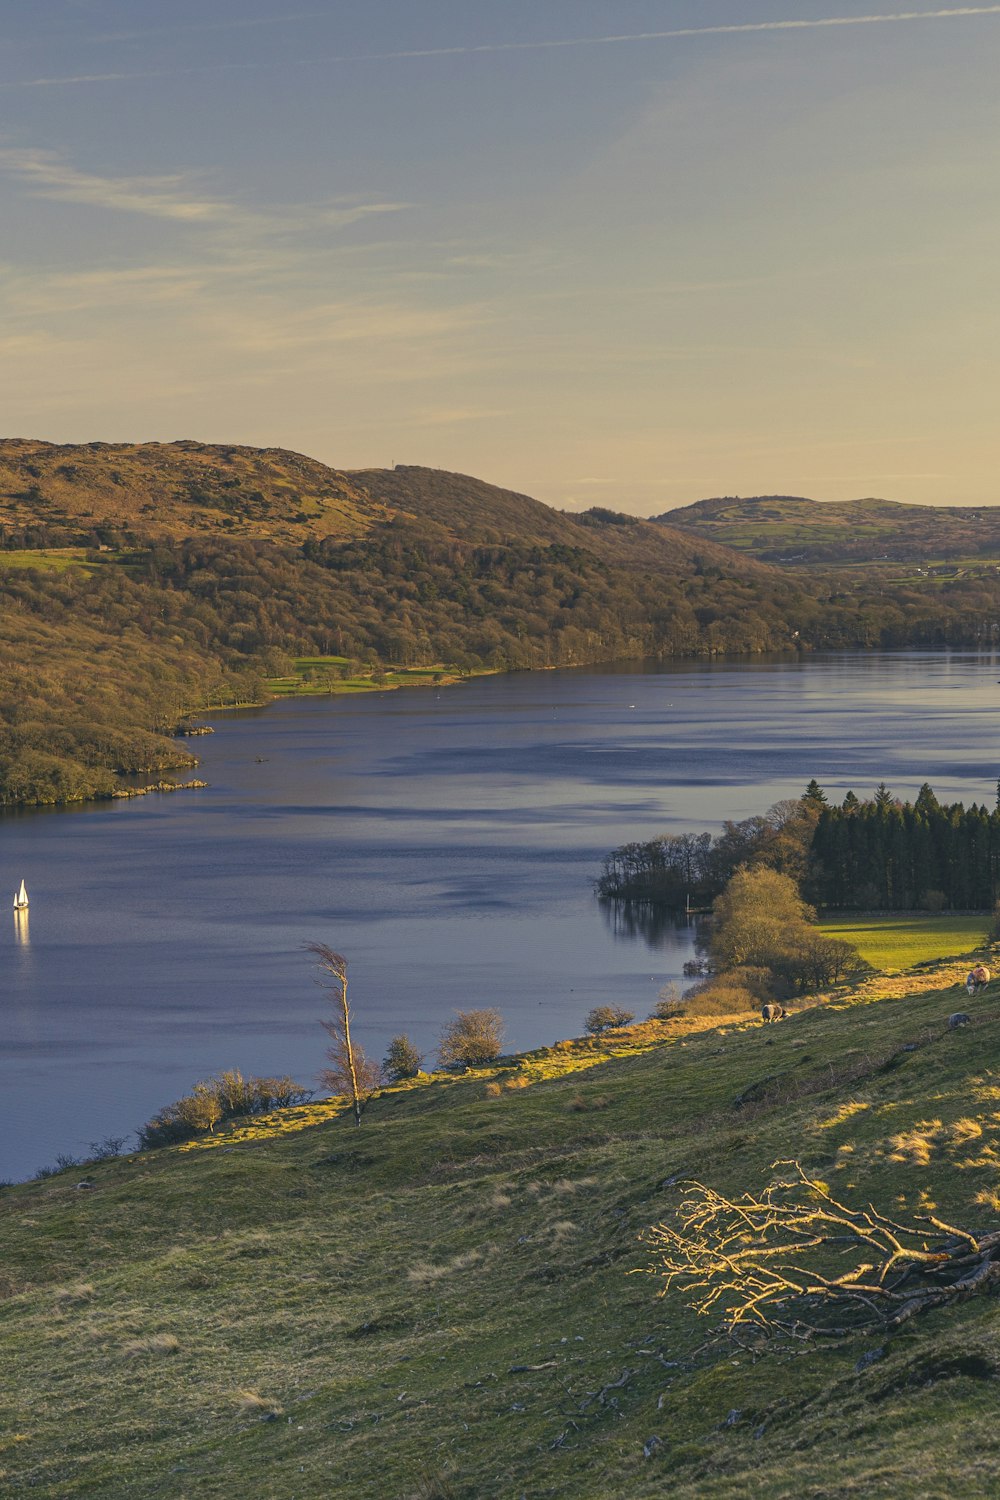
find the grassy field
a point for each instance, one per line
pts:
(315, 675)
(439, 1306)
(893, 943)
(48, 559)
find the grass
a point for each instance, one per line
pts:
(893, 943)
(321, 675)
(48, 559)
(440, 1304)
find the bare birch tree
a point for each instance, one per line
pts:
(350, 1071)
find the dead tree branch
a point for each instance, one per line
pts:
(775, 1263)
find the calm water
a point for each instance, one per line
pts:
(445, 841)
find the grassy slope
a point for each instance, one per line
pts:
(376, 1291)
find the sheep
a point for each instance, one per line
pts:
(773, 1012)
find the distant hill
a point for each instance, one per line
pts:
(481, 513)
(790, 530)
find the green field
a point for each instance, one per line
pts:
(48, 559)
(893, 943)
(316, 675)
(439, 1306)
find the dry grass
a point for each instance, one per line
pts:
(423, 1274)
(68, 1296)
(253, 1404)
(156, 1343)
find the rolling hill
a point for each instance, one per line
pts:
(788, 530)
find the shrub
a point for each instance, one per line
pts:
(109, 1148)
(472, 1039)
(402, 1060)
(720, 996)
(607, 1018)
(221, 1098)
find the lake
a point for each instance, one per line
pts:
(444, 840)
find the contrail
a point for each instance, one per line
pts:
(675, 34)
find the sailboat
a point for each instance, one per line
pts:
(21, 899)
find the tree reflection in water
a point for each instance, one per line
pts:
(661, 928)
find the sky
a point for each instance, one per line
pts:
(628, 254)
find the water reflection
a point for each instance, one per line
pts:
(21, 935)
(660, 927)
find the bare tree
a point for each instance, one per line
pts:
(350, 1071)
(473, 1039)
(775, 1262)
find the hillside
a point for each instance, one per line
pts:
(792, 531)
(439, 1306)
(68, 491)
(481, 513)
(140, 583)
(82, 493)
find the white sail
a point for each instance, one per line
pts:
(21, 899)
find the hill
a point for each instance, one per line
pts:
(141, 583)
(789, 530)
(441, 1304)
(77, 492)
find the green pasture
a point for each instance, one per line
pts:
(893, 943)
(323, 675)
(48, 559)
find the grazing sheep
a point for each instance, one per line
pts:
(977, 979)
(773, 1013)
(958, 1019)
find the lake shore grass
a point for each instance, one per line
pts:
(440, 1304)
(326, 676)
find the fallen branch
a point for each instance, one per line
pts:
(769, 1263)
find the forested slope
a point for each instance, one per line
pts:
(143, 581)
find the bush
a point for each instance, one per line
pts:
(472, 1039)
(402, 1060)
(723, 995)
(607, 1018)
(109, 1148)
(222, 1098)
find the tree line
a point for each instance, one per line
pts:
(893, 855)
(881, 853)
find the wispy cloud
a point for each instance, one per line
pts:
(170, 197)
(677, 33)
(175, 197)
